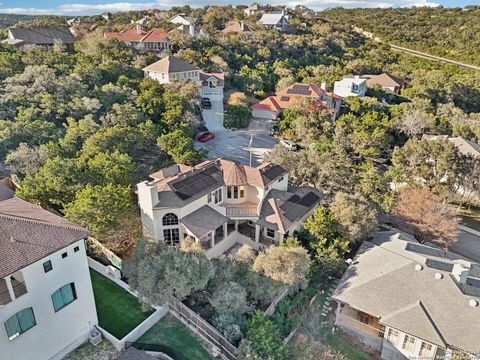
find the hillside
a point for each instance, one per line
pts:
(7, 20)
(446, 32)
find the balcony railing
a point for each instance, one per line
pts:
(19, 289)
(239, 210)
(5, 297)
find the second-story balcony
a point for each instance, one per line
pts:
(5, 297)
(18, 284)
(245, 209)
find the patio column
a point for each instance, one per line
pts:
(236, 225)
(225, 230)
(212, 240)
(257, 233)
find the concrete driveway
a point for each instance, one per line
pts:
(234, 145)
(468, 244)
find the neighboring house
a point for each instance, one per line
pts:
(191, 30)
(182, 19)
(107, 15)
(44, 38)
(172, 68)
(236, 27)
(73, 21)
(277, 21)
(47, 307)
(254, 9)
(271, 107)
(384, 81)
(155, 40)
(350, 86)
(410, 301)
(465, 147)
(223, 204)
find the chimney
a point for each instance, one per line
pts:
(138, 27)
(191, 30)
(323, 86)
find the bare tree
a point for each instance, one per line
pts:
(426, 216)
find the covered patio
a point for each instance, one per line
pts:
(208, 226)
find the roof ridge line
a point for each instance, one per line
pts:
(40, 222)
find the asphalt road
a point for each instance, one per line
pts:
(234, 145)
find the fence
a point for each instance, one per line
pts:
(202, 328)
(167, 350)
(113, 274)
(271, 308)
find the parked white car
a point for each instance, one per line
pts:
(290, 145)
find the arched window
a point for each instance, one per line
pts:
(19, 323)
(170, 219)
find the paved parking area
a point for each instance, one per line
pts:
(234, 145)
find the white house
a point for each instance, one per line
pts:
(350, 86)
(171, 68)
(277, 21)
(182, 19)
(47, 307)
(410, 301)
(222, 205)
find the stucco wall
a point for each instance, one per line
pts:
(58, 333)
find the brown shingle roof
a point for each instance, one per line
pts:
(384, 79)
(29, 233)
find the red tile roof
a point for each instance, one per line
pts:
(269, 103)
(154, 35)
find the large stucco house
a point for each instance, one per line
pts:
(222, 204)
(47, 307)
(154, 40)
(410, 301)
(350, 86)
(171, 68)
(272, 106)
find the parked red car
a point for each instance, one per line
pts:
(204, 137)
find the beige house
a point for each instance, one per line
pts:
(171, 68)
(222, 204)
(254, 9)
(410, 301)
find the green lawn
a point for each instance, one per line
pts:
(119, 312)
(172, 333)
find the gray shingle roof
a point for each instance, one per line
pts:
(382, 281)
(29, 233)
(42, 36)
(204, 220)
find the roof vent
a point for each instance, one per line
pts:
(438, 276)
(418, 267)
(473, 303)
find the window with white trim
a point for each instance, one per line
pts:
(271, 233)
(425, 350)
(393, 336)
(408, 343)
(170, 219)
(235, 192)
(171, 236)
(217, 196)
